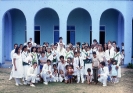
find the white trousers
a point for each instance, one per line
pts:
(80, 74)
(55, 78)
(17, 80)
(103, 79)
(46, 77)
(26, 67)
(33, 79)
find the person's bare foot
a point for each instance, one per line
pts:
(88, 83)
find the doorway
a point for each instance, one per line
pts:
(102, 37)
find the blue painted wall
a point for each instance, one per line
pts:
(81, 19)
(46, 19)
(110, 19)
(18, 27)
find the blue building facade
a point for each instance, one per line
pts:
(74, 20)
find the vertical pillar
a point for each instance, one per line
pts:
(120, 30)
(63, 28)
(95, 28)
(1, 39)
(30, 27)
(128, 39)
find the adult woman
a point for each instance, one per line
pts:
(100, 53)
(118, 59)
(17, 66)
(26, 62)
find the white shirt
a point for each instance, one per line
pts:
(62, 66)
(47, 68)
(111, 55)
(31, 72)
(85, 54)
(104, 71)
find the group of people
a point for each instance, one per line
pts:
(59, 63)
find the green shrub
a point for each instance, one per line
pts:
(130, 65)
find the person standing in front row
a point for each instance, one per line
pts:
(80, 68)
(17, 66)
(95, 66)
(12, 52)
(26, 62)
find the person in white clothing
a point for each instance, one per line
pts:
(29, 46)
(47, 72)
(62, 69)
(26, 62)
(68, 53)
(17, 66)
(61, 50)
(118, 59)
(49, 54)
(55, 55)
(32, 76)
(80, 68)
(60, 42)
(11, 55)
(104, 72)
(87, 60)
(55, 75)
(100, 53)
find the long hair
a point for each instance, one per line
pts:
(32, 49)
(16, 50)
(24, 48)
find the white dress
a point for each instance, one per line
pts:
(19, 66)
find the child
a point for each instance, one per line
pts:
(89, 76)
(61, 75)
(55, 75)
(54, 67)
(114, 72)
(69, 73)
(95, 65)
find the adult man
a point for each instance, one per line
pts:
(29, 46)
(55, 55)
(80, 68)
(47, 72)
(32, 76)
(103, 74)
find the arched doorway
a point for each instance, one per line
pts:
(112, 26)
(78, 26)
(13, 30)
(46, 24)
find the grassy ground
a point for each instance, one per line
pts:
(125, 85)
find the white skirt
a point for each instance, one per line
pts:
(119, 72)
(26, 67)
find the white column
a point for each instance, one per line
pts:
(128, 40)
(63, 29)
(1, 40)
(95, 28)
(30, 27)
(120, 33)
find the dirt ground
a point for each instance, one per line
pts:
(125, 85)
